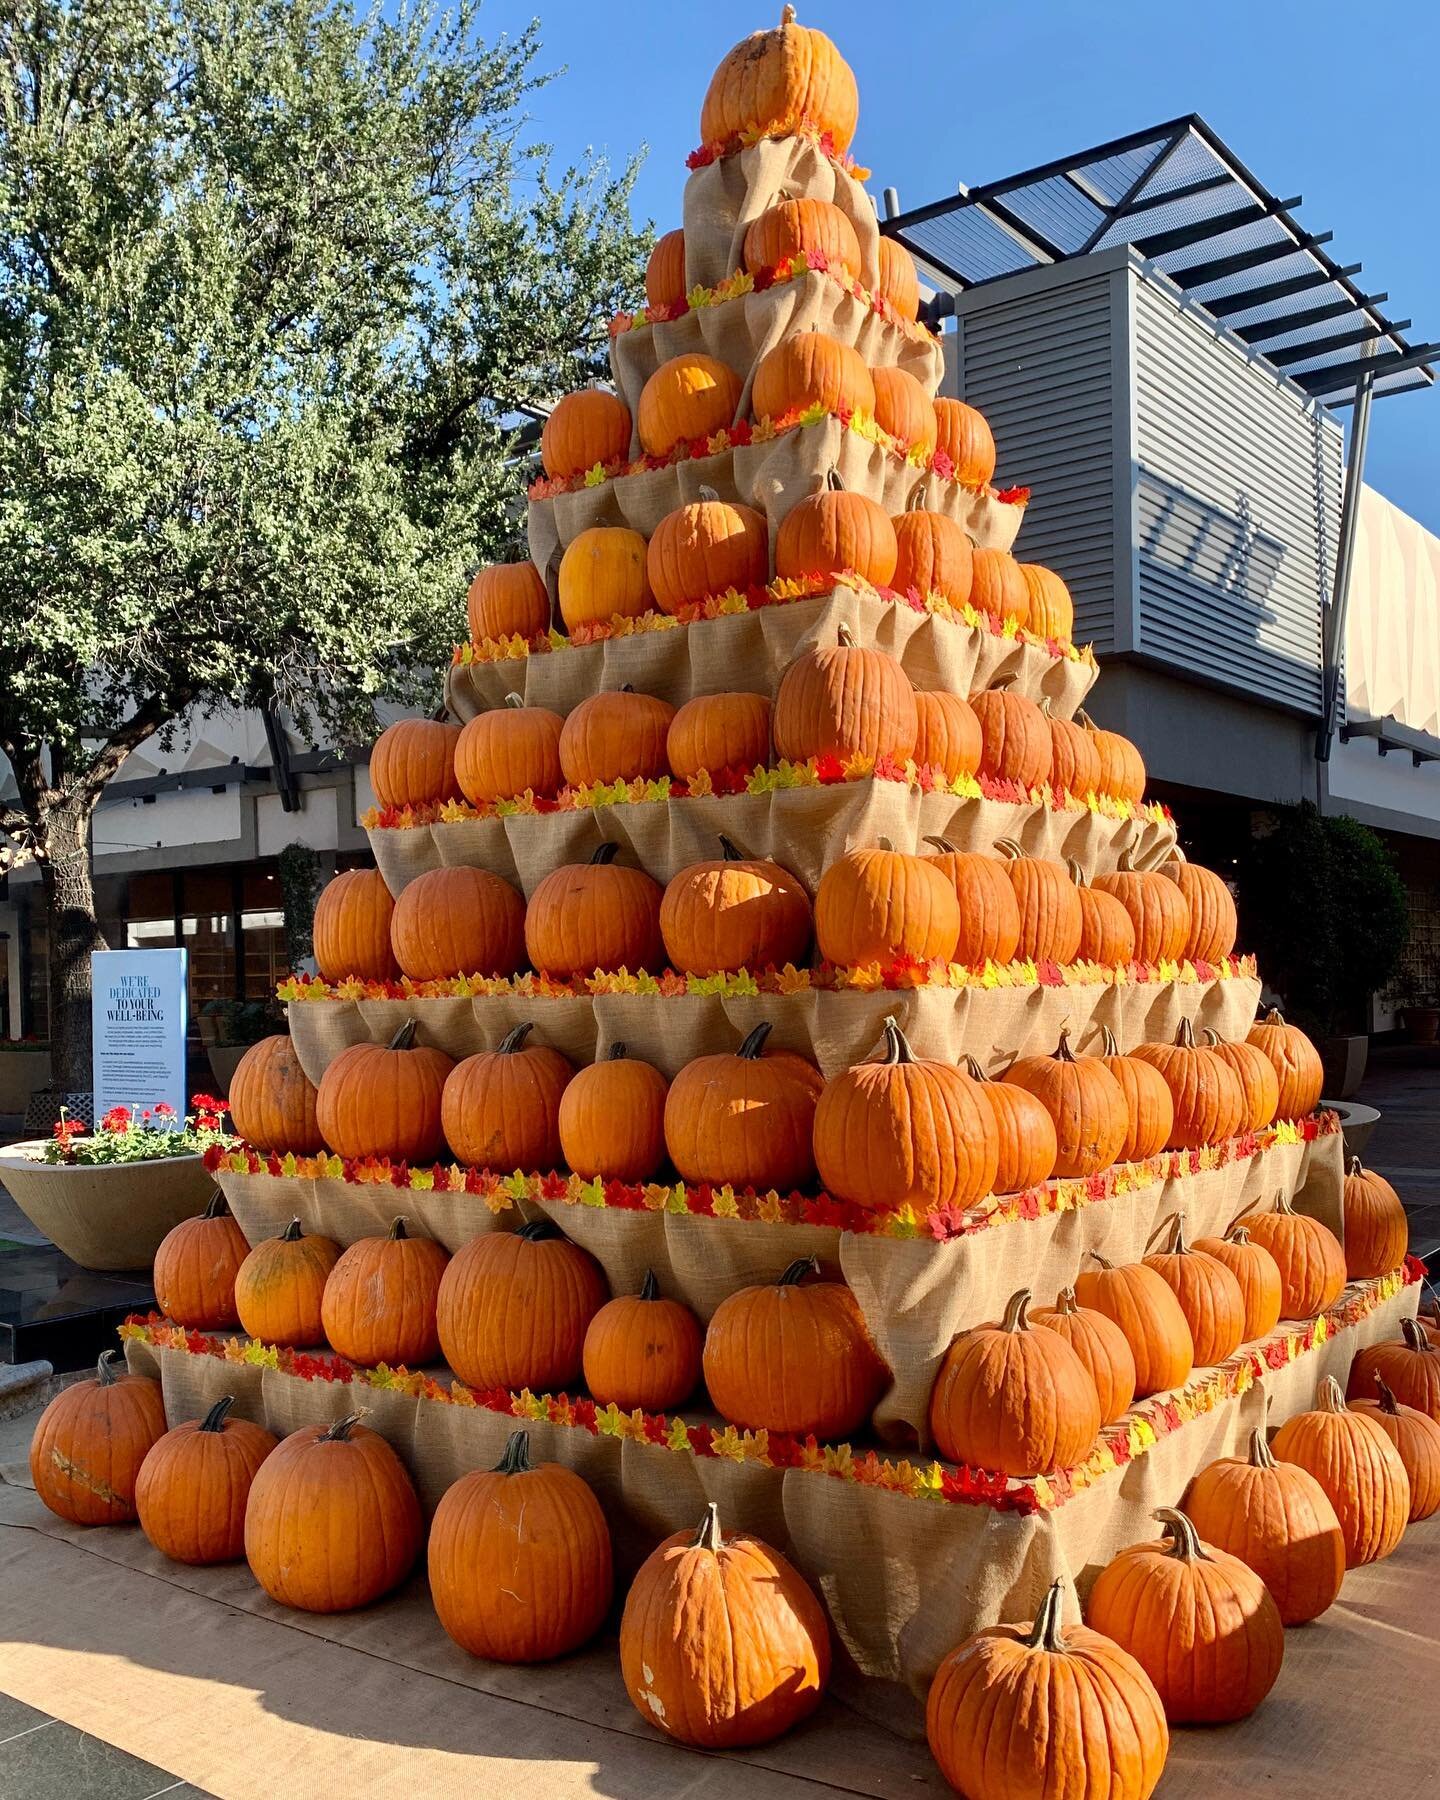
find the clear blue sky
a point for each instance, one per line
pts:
(1325, 100)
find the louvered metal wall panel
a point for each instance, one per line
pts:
(1237, 510)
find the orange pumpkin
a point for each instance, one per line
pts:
(989, 911)
(744, 1119)
(899, 283)
(1101, 1346)
(412, 763)
(999, 588)
(787, 1357)
(1016, 738)
(512, 750)
(1258, 1082)
(642, 1351)
(1148, 1313)
(933, 554)
(845, 701)
(1158, 910)
(690, 396)
(1199, 1622)
(1107, 935)
(458, 921)
(1276, 1518)
(1208, 1100)
(1409, 1365)
(665, 273)
(194, 1484)
(596, 915)
(905, 410)
(520, 1562)
(1258, 1273)
(906, 1132)
(616, 736)
(1085, 1102)
(507, 600)
(1051, 919)
(1210, 1296)
(1122, 769)
(514, 1306)
(90, 1443)
(709, 546)
(501, 1109)
(947, 736)
(835, 533)
(715, 732)
(583, 429)
(351, 934)
(612, 1119)
(1416, 1437)
(815, 229)
(1013, 1399)
(1149, 1110)
(195, 1268)
(280, 1286)
(379, 1300)
(1027, 1132)
(1213, 922)
(1074, 760)
(737, 913)
(272, 1099)
(384, 1099)
(874, 906)
(603, 577)
(774, 82)
(1353, 1458)
(1308, 1255)
(966, 439)
(721, 1643)
(1377, 1233)
(1296, 1062)
(1052, 611)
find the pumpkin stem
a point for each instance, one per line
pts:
(845, 636)
(1415, 1336)
(1104, 1261)
(1009, 849)
(1260, 1457)
(1187, 1539)
(943, 845)
(1065, 1301)
(603, 854)
(339, 1432)
(728, 850)
(105, 1368)
(1045, 1632)
(708, 1536)
(1076, 873)
(515, 1037)
(1273, 1017)
(1185, 1035)
(832, 474)
(1178, 1246)
(1015, 1319)
(755, 1041)
(649, 1287)
(617, 1052)
(1282, 1203)
(798, 1270)
(219, 1206)
(537, 1230)
(398, 1233)
(404, 1038)
(1237, 1234)
(515, 702)
(1330, 1399)
(972, 1068)
(292, 1233)
(1063, 1052)
(1177, 854)
(1355, 1166)
(707, 493)
(1084, 718)
(897, 1045)
(1209, 1035)
(214, 1420)
(1388, 1402)
(916, 502)
(516, 1458)
(1108, 1045)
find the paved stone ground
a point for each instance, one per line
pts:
(1404, 1084)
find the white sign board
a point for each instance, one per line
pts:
(138, 1005)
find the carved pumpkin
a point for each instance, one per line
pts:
(1051, 919)
(690, 396)
(905, 410)
(1076, 1715)
(1258, 1082)
(737, 913)
(1377, 1234)
(1258, 1273)
(1013, 1399)
(1101, 1347)
(90, 1442)
(933, 554)
(351, 933)
(966, 439)
(379, 1299)
(947, 736)
(280, 1286)
(616, 736)
(899, 283)
(792, 1358)
(873, 906)
(519, 1559)
(1296, 1062)
(501, 1109)
(1354, 1460)
(1204, 1090)
(1149, 1110)
(999, 588)
(709, 546)
(714, 732)
(512, 750)
(816, 229)
(1107, 935)
(834, 533)
(1209, 1293)
(1016, 738)
(1074, 760)
(1276, 1518)
(458, 921)
(514, 1306)
(989, 911)
(584, 428)
(773, 82)
(612, 1119)
(744, 1118)
(642, 1351)
(384, 1099)
(1158, 910)
(596, 915)
(1148, 1313)
(602, 577)
(1085, 1102)
(1199, 1622)
(1416, 1437)
(1213, 923)
(1308, 1255)
(1122, 768)
(412, 763)
(722, 1644)
(333, 1520)
(194, 1483)
(904, 1132)
(1027, 1132)
(665, 273)
(1052, 611)
(845, 701)
(195, 1268)
(507, 600)
(1410, 1366)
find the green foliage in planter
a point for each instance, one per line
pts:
(244, 1021)
(299, 868)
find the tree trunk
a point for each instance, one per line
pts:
(74, 933)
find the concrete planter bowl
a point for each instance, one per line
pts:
(112, 1215)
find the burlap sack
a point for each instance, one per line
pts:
(345, 1211)
(834, 1029)
(749, 652)
(725, 197)
(739, 332)
(772, 477)
(802, 829)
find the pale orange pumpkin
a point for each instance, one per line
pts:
(1308, 1254)
(933, 554)
(1052, 611)
(280, 1287)
(1256, 1073)
(412, 763)
(1213, 922)
(776, 81)
(816, 229)
(1208, 1100)
(998, 587)
(351, 933)
(834, 533)
(1026, 1132)
(1074, 760)
(1410, 1365)
(1085, 1102)
(709, 546)
(615, 736)
(1355, 1461)
(1101, 1346)
(1051, 920)
(511, 750)
(715, 732)
(948, 734)
(810, 369)
(875, 905)
(1148, 1314)
(1377, 1233)
(1209, 1293)
(1158, 910)
(507, 600)
(602, 577)
(1016, 738)
(966, 438)
(585, 428)
(904, 409)
(1296, 1061)
(612, 1119)
(1416, 1437)
(1122, 769)
(690, 396)
(989, 911)
(845, 701)
(899, 284)
(1149, 1110)
(1107, 935)
(1258, 1273)
(665, 273)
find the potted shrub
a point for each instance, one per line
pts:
(229, 1027)
(107, 1197)
(24, 1068)
(1419, 1011)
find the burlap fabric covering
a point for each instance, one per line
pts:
(904, 1579)
(835, 1029)
(739, 332)
(346, 1211)
(802, 829)
(749, 651)
(771, 476)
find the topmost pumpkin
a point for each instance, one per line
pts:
(775, 81)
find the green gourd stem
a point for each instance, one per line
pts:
(105, 1368)
(515, 1037)
(1015, 1309)
(708, 1536)
(1045, 1632)
(897, 1045)
(404, 1038)
(1187, 1544)
(649, 1287)
(1388, 1402)
(516, 1457)
(603, 854)
(798, 1270)
(398, 1231)
(214, 1420)
(219, 1206)
(755, 1042)
(339, 1432)
(537, 1230)
(292, 1233)
(1260, 1457)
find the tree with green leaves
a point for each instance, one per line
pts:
(277, 280)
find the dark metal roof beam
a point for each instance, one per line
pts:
(1229, 304)
(1186, 191)
(1222, 267)
(1298, 353)
(1324, 381)
(1178, 134)
(1301, 321)
(1165, 243)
